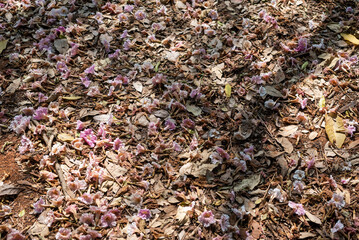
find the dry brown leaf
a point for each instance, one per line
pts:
(353, 144)
(61, 45)
(286, 144)
(3, 45)
(283, 165)
(313, 218)
(335, 130)
(288, 130)
(71, 98)
(350, 38)
(64, 137)
(271, 91)
(248, 183)
(304, 235)
(9, 190)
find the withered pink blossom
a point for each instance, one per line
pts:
(15, 235)
(48, 176)
(93, 91)
(20, 123)
(140, 149)
(58, 149)
(77, 185)
(63, 234)
(159, 79)
(71, 209)
(224, 222)
(53, 193)
(26, 145)
(337, 227)
(77, 143)
(87, 218)
(298, 186)
(337, 200)
(188, 123)
(57, 202)
(297, 207)
(54, 107)
(89, 137)
(176, 147)
(136, 198)
(216, 158)
(27, 111)
(207, 218)
(79, 125)
(128, 8)
(85, 80)
(38, 206)
(108, 220)
(94, 234)
(86, 198)
(145, 214)
(194, 143)
(152, 129)
(240, 212)
(140, 15)
(39, 129)
(271, 104)
(213, 14)
(222, 153)
(46, 161)
(90, 70)
(277, 194)
(40, 113)
(42, 98)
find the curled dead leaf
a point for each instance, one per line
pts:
(335, 130)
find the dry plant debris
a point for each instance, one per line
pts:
(195, 119)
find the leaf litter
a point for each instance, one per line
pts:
(197, 120)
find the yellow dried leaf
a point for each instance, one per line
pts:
(3, 45)
(335, 130)
(340, 132)
(22, 213)
(72, 98)
(228, 90)
(322, 102)
(64, 137)
(350, 38)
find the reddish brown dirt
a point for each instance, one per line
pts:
(11, 172)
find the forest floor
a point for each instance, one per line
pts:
(179, 119)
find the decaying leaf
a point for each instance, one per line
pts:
(182, 215)
(138, 86)
(64, 137)
(288, 130)
(102, 118)
(248, 183)
(196, 169)
(3, 45)
(271, 91)
(283, 165)
(304, 235)
(286, 144)
(9, 190)
(335, 130)
(350, 38)
(61, 45)
(228, 90)
(313, 218)
(13, 86)
(194, 110)
(71, 98)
